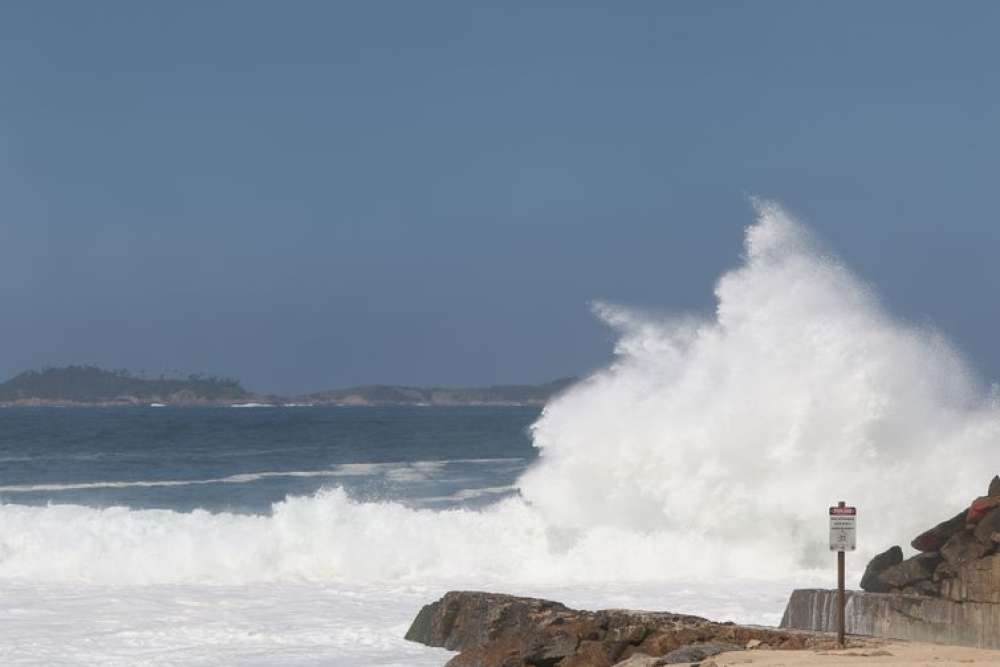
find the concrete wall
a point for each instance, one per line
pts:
(896, 616)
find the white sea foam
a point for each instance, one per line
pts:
(709, 449)
(333, 625)
(407, 471)
(329, 538)
(241, 478)
(471, 494)
(260, 624)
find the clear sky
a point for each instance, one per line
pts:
(308, 195)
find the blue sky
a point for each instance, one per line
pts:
(314, 194)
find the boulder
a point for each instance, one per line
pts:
(979, 507)
(464, 619)
(994, 489)
(546, 650)
(886, 559)
(589, 654)
(944, 571)
(988, 526)
(911, 570)
(641, 660)
(934, 539)
(963, 547)
(974, 581)
(924, 587)
(661, 643)
(697, 652)
(491, 655)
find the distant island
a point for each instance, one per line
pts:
(90, 385)
(398, 395)
(96, 387)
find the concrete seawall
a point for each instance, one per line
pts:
(895, 616)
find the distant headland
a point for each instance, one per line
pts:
(90, 386)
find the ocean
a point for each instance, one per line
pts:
(141, 535)
(243, 460)
(307, 535)
(693, 474)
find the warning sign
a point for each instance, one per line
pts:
(843, 522)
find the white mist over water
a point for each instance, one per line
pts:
(707, 452)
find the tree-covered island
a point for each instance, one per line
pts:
(94, 386)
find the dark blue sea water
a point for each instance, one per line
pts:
(244, 459)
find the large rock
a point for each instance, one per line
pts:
(979, 508)
(963, 547)
(934, 539)
(493, 630)
(893, 616)
(589, 654)
(464, 619)
(878, 564)
(911, 570)
(944, 571)
(923, 587)
(987, 531)
(698, 652)
(974, 581)
(641, 660)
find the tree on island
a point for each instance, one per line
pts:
(89, 384)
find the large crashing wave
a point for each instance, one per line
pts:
(742, 429)
(711, 447)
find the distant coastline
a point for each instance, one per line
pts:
(90, 386)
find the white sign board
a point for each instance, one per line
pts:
(842, 528)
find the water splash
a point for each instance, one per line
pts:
(741, 429)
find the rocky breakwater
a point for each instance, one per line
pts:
(493, 630)
(949, 591)
(957, 559)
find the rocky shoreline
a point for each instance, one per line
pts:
(495, 630)
(948, 592)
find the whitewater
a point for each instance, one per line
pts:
(692, 475)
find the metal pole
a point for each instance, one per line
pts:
(841, 602)
(840, 598)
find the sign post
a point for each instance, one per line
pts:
(842, 538)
